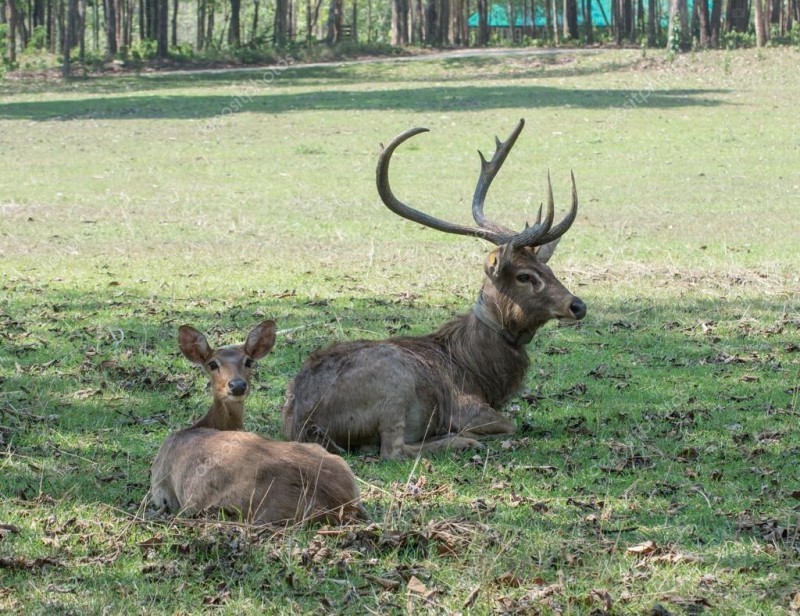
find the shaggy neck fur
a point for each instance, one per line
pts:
(484, 362)
(488, 318)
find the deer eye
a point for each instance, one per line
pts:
(212, 365)
(248, 363)
(524, 278)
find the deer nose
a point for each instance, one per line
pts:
(237, 387)
(577, 308)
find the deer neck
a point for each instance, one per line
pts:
(487, 316)
(223, 416)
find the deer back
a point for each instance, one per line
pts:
(204, 471)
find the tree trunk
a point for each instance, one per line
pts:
(234, 26)
(686, 34)
(95, 26)
(11, 38)
(334, 22)
(211, 11)
(555, 22)
(416, 19)
(701, 8)
(111, 29)
(312, 16)
(548, 19)
(61, 25)
(714, 23)
(174, 36)
(81, 27)
(23, 33)
(279, 27)
(52, 28)
(433, 22)
(678, 36)
(455, 26)
(761, 27)
(588, 26)
(162, 31)
(201, 25)
(37, 13)
(738, 16)
(628, 20)
(571, 18)
(639, 13)
(673, 32)
(124, 11)
(652, 9)
(483, 23)
(142, 19)
(254, 30)
(69, 32)
(444, 22)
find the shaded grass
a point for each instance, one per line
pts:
(669, 415)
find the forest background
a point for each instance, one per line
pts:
(109, 34)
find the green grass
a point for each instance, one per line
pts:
(130, 205)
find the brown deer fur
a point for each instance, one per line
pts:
(397, 393)
(215, 466)
(411, 395)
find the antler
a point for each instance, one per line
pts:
(540, 233)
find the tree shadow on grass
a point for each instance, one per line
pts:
(442, 99)
(643, 414)
(536, 65)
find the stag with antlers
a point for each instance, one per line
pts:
(415, 395)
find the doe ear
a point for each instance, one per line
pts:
(498, 260)
(193, 345)
(261, 340)
(544, 252)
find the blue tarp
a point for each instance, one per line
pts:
(498, 16)
(601, 9)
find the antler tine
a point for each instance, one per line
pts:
(532, 236)
(561, 228)
(488, 172)
(401, 209)
(543, 232)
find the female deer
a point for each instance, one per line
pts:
(215, 466)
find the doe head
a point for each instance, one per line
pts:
(229, 367)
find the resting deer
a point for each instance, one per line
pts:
(413, 395)
(215, 466)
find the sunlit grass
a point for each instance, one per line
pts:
(669, 415)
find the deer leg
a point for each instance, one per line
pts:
(394, 447)
(474, 416)
(393, 439)
(449, 442)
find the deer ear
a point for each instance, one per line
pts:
(544, 252)
(261, 340)
(498, 260)
(193, 344)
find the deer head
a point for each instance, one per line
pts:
(520, 292)
(229, 369)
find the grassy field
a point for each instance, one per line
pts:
(656, 465)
